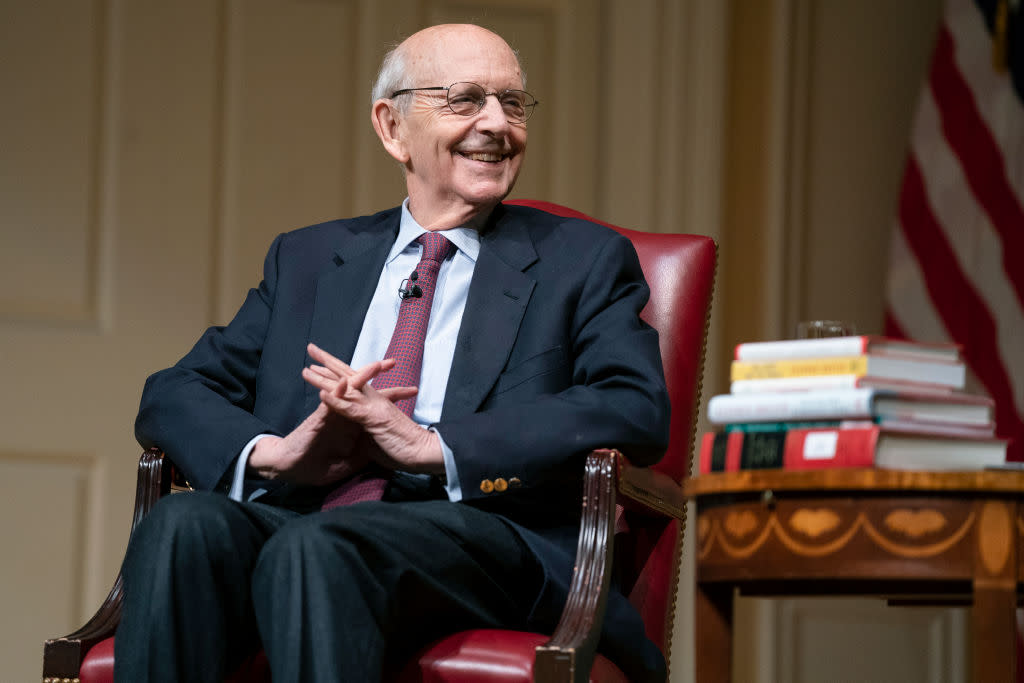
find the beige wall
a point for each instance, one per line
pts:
(821, 94)
(820, 99)
(150, 150)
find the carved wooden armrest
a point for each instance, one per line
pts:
(569, 654)
(649, 490)
(62, 657)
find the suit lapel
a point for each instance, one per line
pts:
(344, 292)
(497, 300)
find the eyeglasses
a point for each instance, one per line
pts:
(466, 99)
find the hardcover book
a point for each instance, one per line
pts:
(859, 446)
(819, 382)
(951, 374)
(846, 346)
(926, 407)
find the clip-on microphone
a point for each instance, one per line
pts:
(405, 291)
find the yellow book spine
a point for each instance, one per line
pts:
(850, 365)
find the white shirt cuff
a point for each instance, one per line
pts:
(235, 492)
(451, 473)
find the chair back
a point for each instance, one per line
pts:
(680, 270)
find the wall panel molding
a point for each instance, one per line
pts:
(787, 155)
(287, 113)
(51, 132)
(52, 494)
(827, 639)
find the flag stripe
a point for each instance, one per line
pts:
(998, 104)
(965, 314)
(913, 306)
(955, 264)
(892, 325)
(970, 235)
(981, 159)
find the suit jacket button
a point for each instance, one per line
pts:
(500, 484)
(487, 486)
(514, 482)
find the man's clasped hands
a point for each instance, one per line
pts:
(354, 425)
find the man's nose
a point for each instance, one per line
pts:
(492, 115)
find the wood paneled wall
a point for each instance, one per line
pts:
(150, 151)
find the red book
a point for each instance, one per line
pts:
(878, 446)
(851, 446)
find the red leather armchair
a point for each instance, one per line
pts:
(646, 501)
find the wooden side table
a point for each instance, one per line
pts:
(909, 537)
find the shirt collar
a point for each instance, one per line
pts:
(467, 240)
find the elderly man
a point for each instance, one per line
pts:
(399, 412)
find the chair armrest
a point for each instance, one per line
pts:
(569, 654)
(62, 657)
(608, 475)
(649, 490)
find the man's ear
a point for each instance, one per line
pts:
(390, 128)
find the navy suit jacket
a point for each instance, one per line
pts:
(551, 361)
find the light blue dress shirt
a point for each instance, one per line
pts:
(450, 294)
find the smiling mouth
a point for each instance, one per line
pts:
(490, 157)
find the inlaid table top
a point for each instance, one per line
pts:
(843, 479)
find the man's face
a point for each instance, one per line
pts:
(460, 165)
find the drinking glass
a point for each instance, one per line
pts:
(815, 329)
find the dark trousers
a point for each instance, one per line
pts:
(330, 596)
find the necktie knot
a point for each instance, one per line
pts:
(436, 247)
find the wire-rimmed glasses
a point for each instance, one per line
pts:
(466, 99)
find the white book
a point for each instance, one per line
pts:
(826, 347)
(849, 404)
(819, 382)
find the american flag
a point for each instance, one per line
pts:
(957, 260)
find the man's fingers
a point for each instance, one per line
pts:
(325, 382)
(364, 374)
(394, 394)
(332, 363)
(324, 372)
(357, 378)
(316, 379)
(332, 401)
(335, 379)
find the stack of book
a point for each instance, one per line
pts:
(859, 401)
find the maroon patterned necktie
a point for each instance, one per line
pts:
(406, 348)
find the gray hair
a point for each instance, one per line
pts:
(393, 76)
